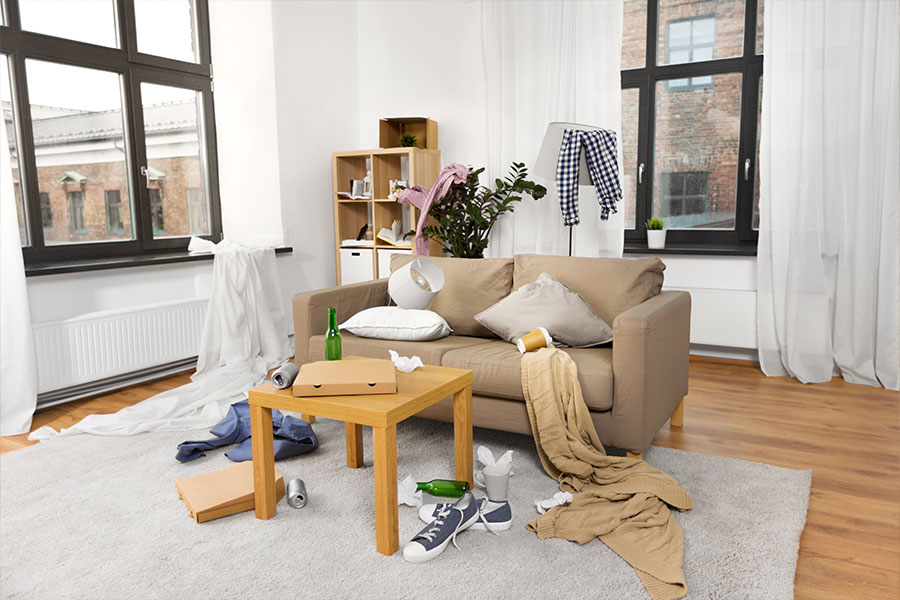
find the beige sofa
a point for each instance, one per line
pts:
(632, 385)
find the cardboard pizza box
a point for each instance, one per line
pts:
(346, 378)
(221, 493)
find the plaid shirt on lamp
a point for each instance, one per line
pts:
(600, 151)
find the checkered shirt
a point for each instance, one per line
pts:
(600, 151)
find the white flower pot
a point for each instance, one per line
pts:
(656, 239)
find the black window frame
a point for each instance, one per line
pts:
(134, 68)
(743, 238)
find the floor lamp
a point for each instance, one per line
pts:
(548, 157)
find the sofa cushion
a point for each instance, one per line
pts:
(610, 286)
(430, 352)
(497, 371)
(471, 285)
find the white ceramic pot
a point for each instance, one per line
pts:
(656, 239)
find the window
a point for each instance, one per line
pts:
(157, 217)
(46, 212)
(196, 211)
(690, 114)
(76, 211)
(684, 195)
(114, 223)
(691, 40)
(110, 105)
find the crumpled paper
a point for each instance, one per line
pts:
(558, 499)
(405, 364)
(486, 458)
(407, 493)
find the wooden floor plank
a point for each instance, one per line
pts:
(848, 435)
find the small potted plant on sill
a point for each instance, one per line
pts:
(656, 235)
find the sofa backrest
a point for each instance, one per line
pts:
(610, 286)
(471, 285)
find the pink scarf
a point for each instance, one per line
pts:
(422, 198)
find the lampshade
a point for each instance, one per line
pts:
(415, 284)
(548, 157)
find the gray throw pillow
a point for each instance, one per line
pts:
(546, 303)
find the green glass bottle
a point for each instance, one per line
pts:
(332, 338)
(444, 487)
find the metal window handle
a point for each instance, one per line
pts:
(746, 169)
(641, 173)
(146, 173)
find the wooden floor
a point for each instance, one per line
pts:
(849, 435)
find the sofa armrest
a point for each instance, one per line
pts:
(311, 310)
(651, 355)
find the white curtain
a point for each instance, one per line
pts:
(550, 61)
(18, 372)
(829, 241)
(244, 336)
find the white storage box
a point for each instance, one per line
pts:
(384, 260)
(356, 265)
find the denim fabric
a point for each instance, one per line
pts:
(293, 436)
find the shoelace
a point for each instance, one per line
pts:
(436, 525)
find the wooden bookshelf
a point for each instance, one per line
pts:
(418, 165)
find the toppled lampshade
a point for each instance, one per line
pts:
(415, 284)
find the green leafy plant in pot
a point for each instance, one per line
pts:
(467, 213)
(407, 140)
(656, 235)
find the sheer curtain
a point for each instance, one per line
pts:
(829, 249)
(545, 62)
(18, 371)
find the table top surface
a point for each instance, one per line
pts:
(415, 391)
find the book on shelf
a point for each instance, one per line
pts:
(351, 196)
(351, 243)
(393, 236)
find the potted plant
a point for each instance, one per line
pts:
(656, 235)
(407, 140)
(467, 213)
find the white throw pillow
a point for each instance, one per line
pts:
(395, 323)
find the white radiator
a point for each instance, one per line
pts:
(722, 317)
(104, 344)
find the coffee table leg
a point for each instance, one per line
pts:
(387, 531)
(353, 433)
(263, 461)
(462, 434)
(308, 418)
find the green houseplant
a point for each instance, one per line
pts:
(656, 235)
(407, 140)
(467, 213)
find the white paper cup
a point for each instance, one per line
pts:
(539, 338)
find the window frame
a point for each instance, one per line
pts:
(70, 200)
(749, 65)
(134, 68)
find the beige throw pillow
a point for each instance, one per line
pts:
(471, 285)
(546, 303)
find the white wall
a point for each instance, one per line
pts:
(424, 59)
(317, 97)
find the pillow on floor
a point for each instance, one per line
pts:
(546, 303)
(394, 323)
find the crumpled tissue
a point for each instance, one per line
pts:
(559, 498)
(405, 364)
(486, 458)
(407, 493)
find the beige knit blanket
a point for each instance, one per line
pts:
(623, 501)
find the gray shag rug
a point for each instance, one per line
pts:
(99, 517)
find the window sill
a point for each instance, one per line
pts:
(121, 262)
(694, 249)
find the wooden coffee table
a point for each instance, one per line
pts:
(415, 391)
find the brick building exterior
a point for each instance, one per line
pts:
(82, 176)
(697, 120)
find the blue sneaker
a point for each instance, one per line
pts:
(493, 516)
(448, 522)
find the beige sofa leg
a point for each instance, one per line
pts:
(639, 455)
(677, 419)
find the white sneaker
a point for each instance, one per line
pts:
(494, 516)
